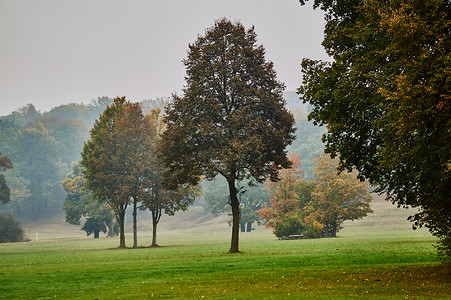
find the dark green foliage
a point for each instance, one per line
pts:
(10, 230)
(231, 120)
(5, 164)
(94, 226)
(80, 203)
(287, 226)
(36, 159)
(385, 100)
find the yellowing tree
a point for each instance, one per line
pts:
(336, 197)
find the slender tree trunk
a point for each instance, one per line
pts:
(326, 230)
(121, 229)
(135, 223)
(156, 216)
(96, 234)
(234, 245)
(154, 232)
(243, 227)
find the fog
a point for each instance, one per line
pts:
(54, 52)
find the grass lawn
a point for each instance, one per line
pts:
(384, 261)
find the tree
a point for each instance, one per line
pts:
(80, 203)
(289, 196)
(154, 195)
(138, 135)
(94, 226)
(38, 166)
(5, 163)
(104, 158)
(385, 99)
(231, 119)
(285, 213)
(10, 230)
(336, 197)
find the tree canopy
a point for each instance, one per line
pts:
(231, 119)
(5, 164)
(385, 99)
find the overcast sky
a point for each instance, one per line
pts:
(54, 52)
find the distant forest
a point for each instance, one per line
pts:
(44, 146)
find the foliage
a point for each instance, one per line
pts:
(289, 196)
(308, 143)
(5, 163)
(144, 133)
(94, 226)
(43, 148)
(385, 99)
(311, 207)
(38, 165)
(231, 119)
(106, 164)
(336, 197)
(10, 230)
(80, 203)
(24, 115)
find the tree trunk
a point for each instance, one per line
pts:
(243, 227)
(334, 230)
(249, 227)
(96, 234)
(154, 233)
(326, 230)
(110, 225)
(234, 245)
(121, 229)
(135, 224)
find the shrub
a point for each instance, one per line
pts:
(10, 230)
(288, 225)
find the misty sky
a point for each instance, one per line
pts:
(60, 51)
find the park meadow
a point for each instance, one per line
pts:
(378, 257)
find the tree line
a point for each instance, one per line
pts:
(43, 148)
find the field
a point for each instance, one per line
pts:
(377, 257)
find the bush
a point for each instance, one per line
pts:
(312, 231)
(288, 225)
(294, 225)
(10, 230)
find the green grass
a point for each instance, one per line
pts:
(377, 257)
(379, 263)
